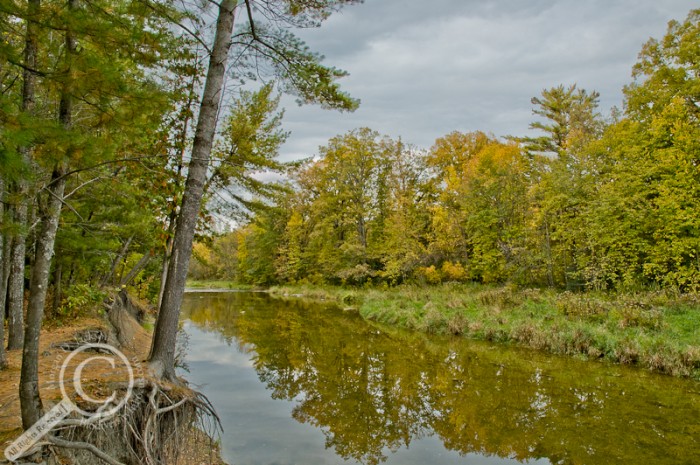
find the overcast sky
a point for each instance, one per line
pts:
(425, 68)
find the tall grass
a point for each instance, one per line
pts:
(659, 331)
(217, 285)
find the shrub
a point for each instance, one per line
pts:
(453, 272)
(79, 299)
(638, 315)
(431, 275)
(358, 275)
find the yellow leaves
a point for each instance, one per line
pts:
(447, 237)
(453, 271)
(448, 272)
(431, 275)
(457, 148)
(496, 159)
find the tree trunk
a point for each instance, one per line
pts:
(30, 400)
(16, 284)
(57, 288)
(3, 280)
(136, 269)
(162, 357)
(15, 292)
(117, 260)
(7, 254)
(164, 272)
(29, 378)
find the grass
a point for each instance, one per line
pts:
(218, 285)
(655, 330)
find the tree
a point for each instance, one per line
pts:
(342, 202)
(301, 72)
(3, 279)
(410, 196)
(120, 79)
(16, 283)
(570, 119)
(449, 158)
(290, 263)
(647, 211)
(562, 178)
(478, 217)
(162, 357)
(493, 200)
(30, 401)
(249, 143)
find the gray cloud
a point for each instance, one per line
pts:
(423, 69)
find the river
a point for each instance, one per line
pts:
(305, 383)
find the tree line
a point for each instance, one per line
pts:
(592, 202)
(110, 146)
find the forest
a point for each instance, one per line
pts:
(589, 202)
(130, 128)
(110, 142)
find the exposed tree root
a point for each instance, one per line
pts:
(149, 430)
(159, 417)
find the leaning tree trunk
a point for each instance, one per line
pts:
(172, 216)
(136, 269)
(29, 378)
(30, 400)
(162, 357)
(109, 278)
(16, 283)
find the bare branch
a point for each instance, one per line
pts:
(84, 446)
(70, 207)
(191, 33)
(82, 185)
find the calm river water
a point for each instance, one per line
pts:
(302, 383)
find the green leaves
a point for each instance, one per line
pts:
(668, 72)
(583, 204)
(270, 49)
(570, 119)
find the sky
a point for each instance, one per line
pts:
(423, 69)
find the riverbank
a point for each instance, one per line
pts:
(659, 331)
(58, 339)
(218, 285)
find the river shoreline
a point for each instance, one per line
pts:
(298, 381)
(657, 331)
(195, 445)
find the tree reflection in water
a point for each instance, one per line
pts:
(372, 389)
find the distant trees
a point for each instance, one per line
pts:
(587, 204)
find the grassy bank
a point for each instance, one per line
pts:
(217, 285)
(655, 330)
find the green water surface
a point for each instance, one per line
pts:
(304, 383)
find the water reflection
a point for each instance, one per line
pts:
(372, 391)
